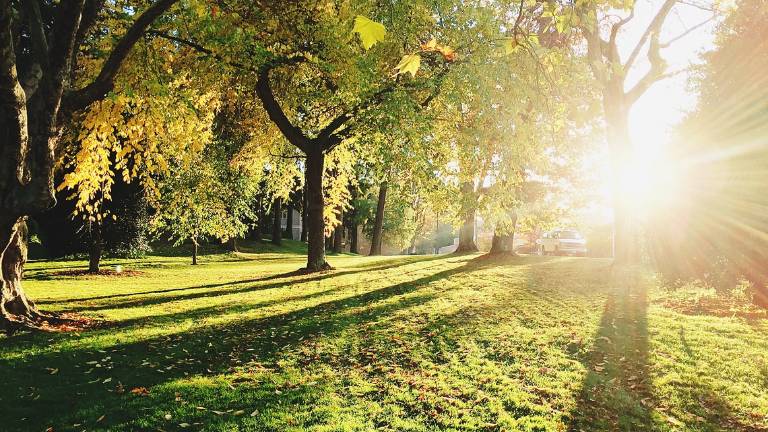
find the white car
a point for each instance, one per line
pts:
(562, 242)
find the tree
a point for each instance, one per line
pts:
(39, 46)
(197, 202)
(316, 87)
(721, 153)
(618, 92)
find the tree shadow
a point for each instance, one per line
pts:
(616, 391)
(79, 391)
(297, 276)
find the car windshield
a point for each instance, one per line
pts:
(569, 235)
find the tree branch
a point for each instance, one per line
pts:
(654, 74)
(654, 27)
(275, 112)
(201, 49)
(686, 33)
(104, 82)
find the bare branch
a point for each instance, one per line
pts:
(653, 28)
(687, 32)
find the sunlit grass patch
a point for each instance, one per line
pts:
(387, 343)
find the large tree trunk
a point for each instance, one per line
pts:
(504, 238)
(16, 310)
(277, 232)
(96, 247)
(625, 223)
(315, 205)
(467, 230)
(338, 233)
(30, 123)
(378, 224)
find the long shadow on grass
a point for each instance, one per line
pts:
(79, 385)
(616, 391)
(153, 300)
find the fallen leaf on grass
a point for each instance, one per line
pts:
(140, 391)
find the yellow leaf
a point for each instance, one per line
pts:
(429, 46)
(448, 53)
(370, 31)
(409, 63)
(510, 45)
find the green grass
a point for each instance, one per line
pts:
(387, 343)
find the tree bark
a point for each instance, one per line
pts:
(277, 232)
(354, 238)
(233, 246)
(16, 310)
(467, 230)
(338, 234)
(378, 224)
(354, 246)
(96, 247)
(315, 205)
(504, 239)
(304, 213)
(288, 232)
(194, 251)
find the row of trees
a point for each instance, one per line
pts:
(444, 107)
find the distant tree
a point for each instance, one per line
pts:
(722, 151)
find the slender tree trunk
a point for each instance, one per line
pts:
(353, 227)
(504, 239)
(338, 234)
(315, 205)
(437, 233)
(467, 230)
(277, 232)
(354, 238)
(304, 213)
(288, 232)
(96, 247)
(378, 224)
(194, 250)
(233, 246)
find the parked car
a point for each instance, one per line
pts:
(562, 242)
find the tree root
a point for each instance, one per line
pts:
(34, 320)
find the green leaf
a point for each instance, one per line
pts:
(409, 63)
(370, 31)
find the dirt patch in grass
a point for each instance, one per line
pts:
(720, 307)
(103, 272)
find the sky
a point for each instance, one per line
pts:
(666, 102)
(654, 116)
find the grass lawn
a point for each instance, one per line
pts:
(386, 343)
